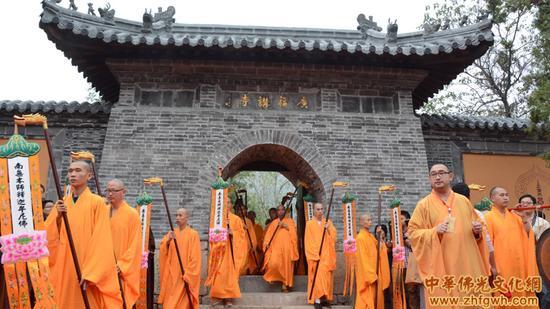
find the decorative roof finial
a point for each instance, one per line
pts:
(72, 6)
(446, 24)
(147, 22)
(164, 19)
(482, 15)
(391, 35)
(463, 21)
(366, 24)
(107, 13)
(91, 9)
(430, 28)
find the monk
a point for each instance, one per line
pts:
(225, 286)
(513, 242)
(91, 231)
(322, 291)
(367, 277)
(126, 230)
(446, 237)
(283, 251)
(249, 266)
(172, 290)
(259, 231)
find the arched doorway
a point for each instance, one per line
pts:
(281, 159)
(276, 158)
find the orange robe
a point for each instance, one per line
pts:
(172, 291)
(250, 264)
(454, 254)
(280, 256)
(324, 282)
(366, 273)
(91, 231)
(226, 282)
(126, 230)
(514, 248)
(258, 229)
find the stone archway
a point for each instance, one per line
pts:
(296, 157)
(300, 159)
(275, 158)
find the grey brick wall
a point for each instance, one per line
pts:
(447, 145)
(185, 145)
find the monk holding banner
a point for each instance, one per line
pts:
(367, 277)
(322, 293)
(281, 254)
(172, 291)
(228, 248)
(514, 243)
(91, 231)
(126, 230)
(447, 238)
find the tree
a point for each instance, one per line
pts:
(493, 84)
(93, 95)
(539, 81)
(265, 190)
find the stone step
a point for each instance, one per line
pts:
(268, 299)
(253, 284)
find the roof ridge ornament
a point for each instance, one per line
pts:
(162, 20)
(391, 35)
(72, 6)
(366, 24)
(107, 13)
(91, 9)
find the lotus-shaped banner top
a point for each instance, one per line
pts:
(24, 247)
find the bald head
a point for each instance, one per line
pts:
(182, 217)
(499, 197)
(365, 221)
(119, 183)
(82, 164)
(440, 178)
(115, 192)
(318, 211)
(79, 173)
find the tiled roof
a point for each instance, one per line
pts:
(54, 107)
(89, 41)
(475, 122)
(125, 31)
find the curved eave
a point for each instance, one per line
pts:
(88, 41)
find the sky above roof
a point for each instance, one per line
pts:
(33, 69)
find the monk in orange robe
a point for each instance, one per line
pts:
(259, 231)
(367, 277)
(91, 231)
(322, 291)
(126, 230)
(172, 290)
(225, 286)
(249, 266)
(446, 237)
(283, 251)
(514, 243)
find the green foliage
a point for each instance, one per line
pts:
(539, 80)
(265, 190)
(93, 95)
(494, 84)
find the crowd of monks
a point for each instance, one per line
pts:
(445, 236)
